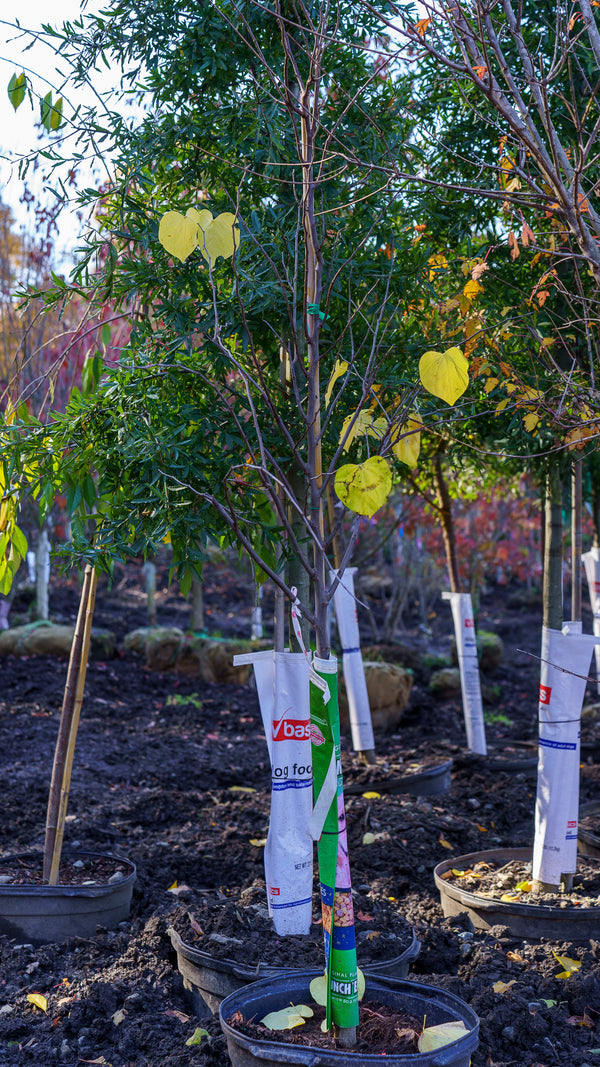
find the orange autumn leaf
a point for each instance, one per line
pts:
(421, 26)
(480, 71)
(446, 844)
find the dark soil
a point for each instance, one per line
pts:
(174, 774)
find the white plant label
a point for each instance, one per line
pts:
(361, 726)
(282, 682)
(560, 703)
(466, 648)
(591, 562)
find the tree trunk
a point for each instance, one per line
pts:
(447, 523)
(553, 556)
(197, 616)
(576, 508)
(150, 580)
(552, 589)
(42, 573)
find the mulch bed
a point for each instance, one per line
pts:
(163, 768)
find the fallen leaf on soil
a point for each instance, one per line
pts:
(372, 934)
(197, 1036)
(372, 796)
(510, 898)
(183, 1018)
(119, 1016)
(549, 1003)
(368, 839)
(177, 889)
(446, 875)
(581, 1020)
(364, 917)
(38, 1000)
(483, 829)
(196, 927)
(241, 789)
(443, 1034)
(515, 957)
(569, 966)
(287, 1018)
(501, 987)
(101, 1062)
(524, 887)
(258, 842)
(442, 841)
(172, 887)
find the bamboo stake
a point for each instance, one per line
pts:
(65, 745)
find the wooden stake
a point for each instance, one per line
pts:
(69, 722)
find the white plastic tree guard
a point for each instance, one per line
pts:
(591, 562)
(566, 658)
(468, 663)
(361, 726)
(282, 682)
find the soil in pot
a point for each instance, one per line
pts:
(410, 773)
(392, 1016)
(236, 925)
(494, 888)
(94, 890)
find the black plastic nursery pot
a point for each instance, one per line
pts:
(433, 781)
(42, 914)
(208, 980)
(588, 841)
(522, 920)
(254, 1001)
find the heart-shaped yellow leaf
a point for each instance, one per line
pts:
(443, 1034)
(218, 237)
(178, 234)
(407, 442)
(38, 1000)
(364, 487)
(445, 374)
(288, 1018)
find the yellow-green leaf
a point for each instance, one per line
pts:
(340, 369)
(372, 796)
(569, 966)
(218, 237)
(443, 1034)
(368, 838)
(178, 234)
(198, 1036)
(445, 374)
(502, 987)
(407, 442)
(530, 421)
(364, 487)
(38, 1000)
(288, 1018)
(363, 423)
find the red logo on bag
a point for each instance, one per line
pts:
(291, 729)
(597, 586)
(274, 891)
(571, 824)
(469, 622)
(315, 735)
(545, 691)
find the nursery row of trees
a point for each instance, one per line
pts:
(352, 243)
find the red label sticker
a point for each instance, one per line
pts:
(291, 730)
(274, 891)
(545, 691)
(572, 823)
(469, 622)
